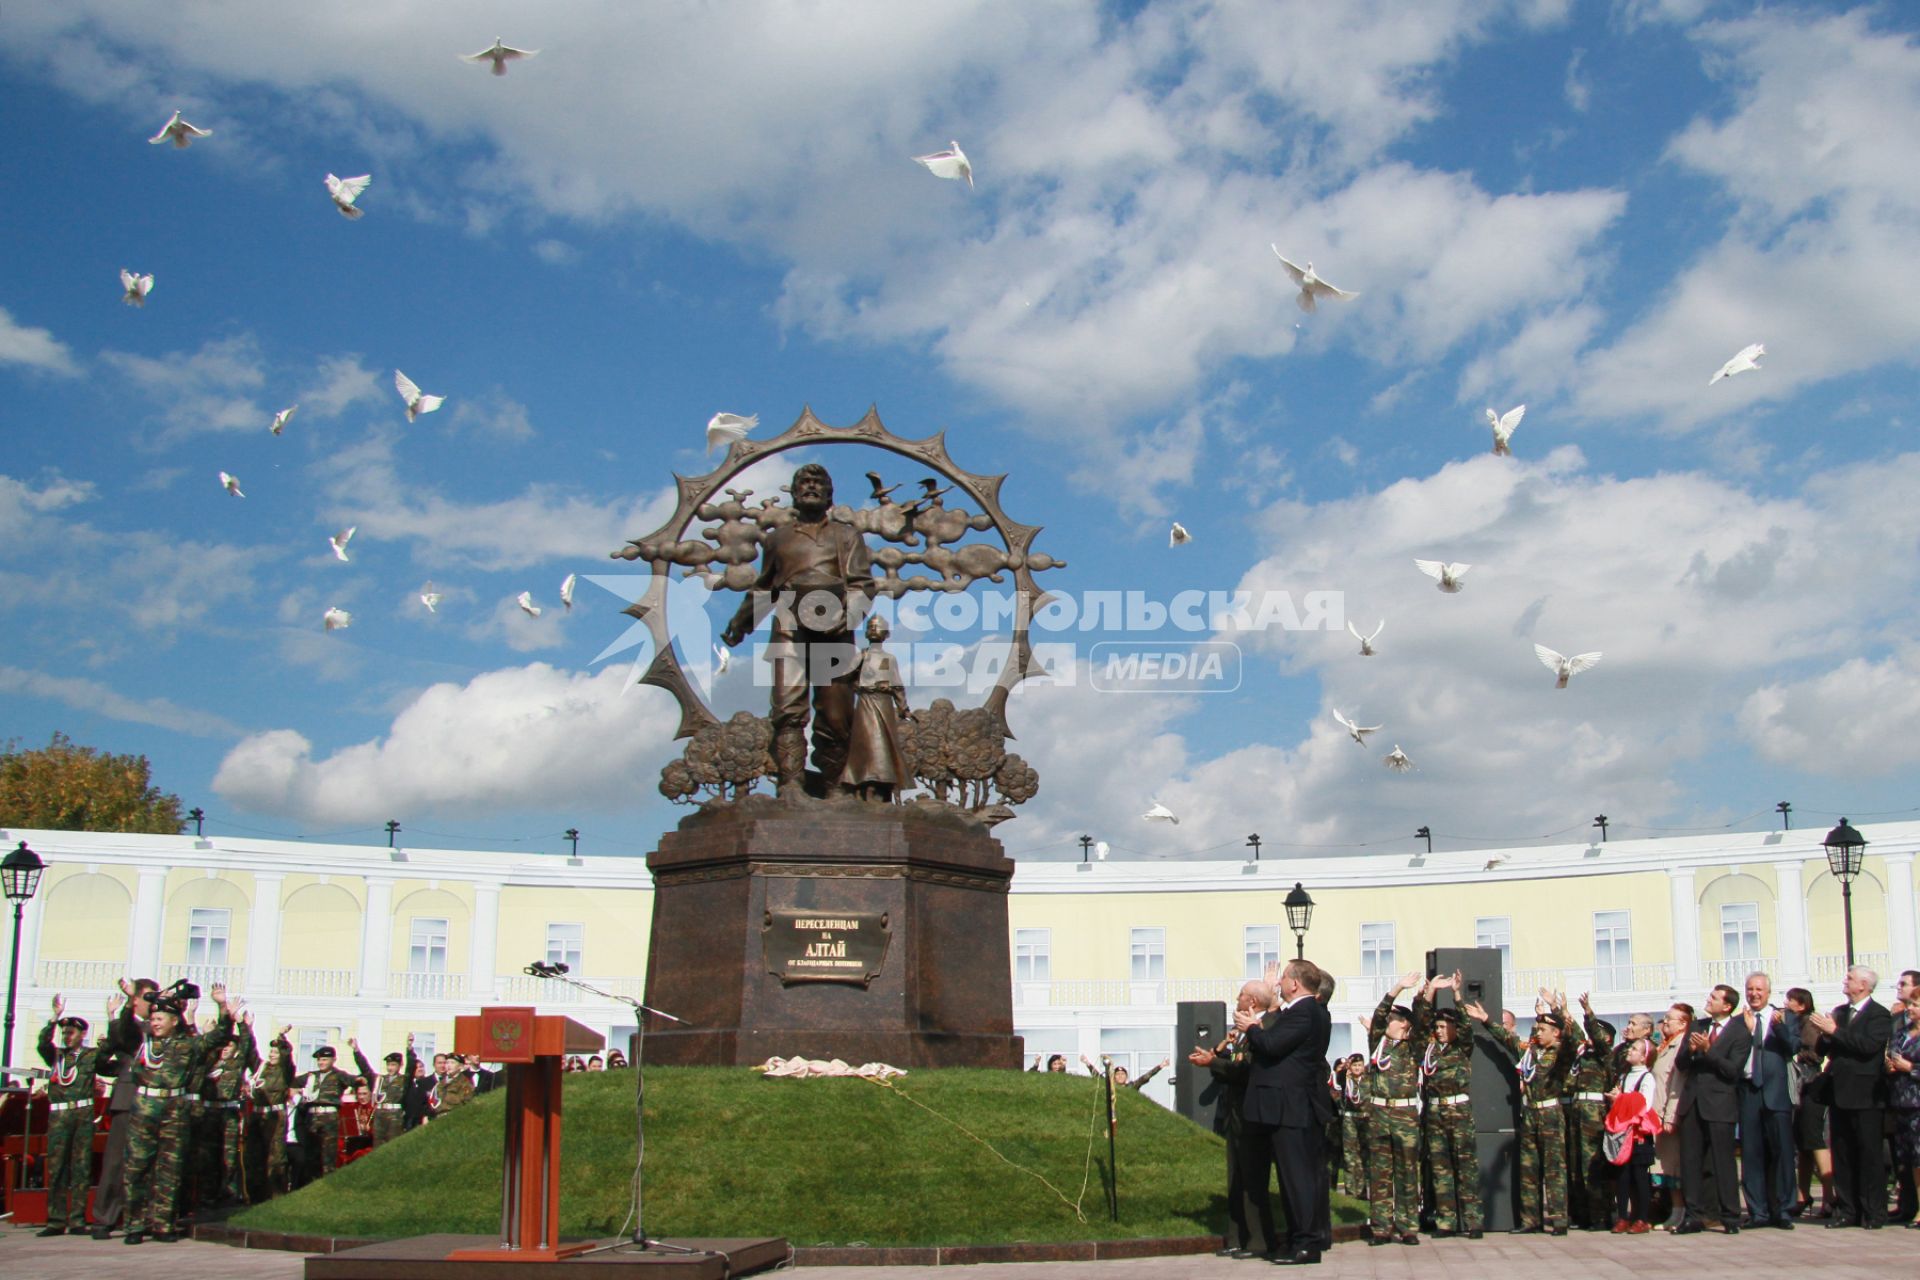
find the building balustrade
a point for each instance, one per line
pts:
(205, 976)
(408, 985)
(1834, 968)
(319, 983)
(1734, 972)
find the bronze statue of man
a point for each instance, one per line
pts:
(816, 580)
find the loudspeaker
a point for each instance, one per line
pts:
(1496, 1087)
(1199, 1024)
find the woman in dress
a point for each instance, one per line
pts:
(1903, 1096)
(1810, 1112)
(877, 765)
(1666, 1100)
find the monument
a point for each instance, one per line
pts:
(859, 910)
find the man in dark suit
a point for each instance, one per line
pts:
(1230, 1063)
(1766, 1112)
(1854, 1038)
(1712, 1059)
(125, 1033)
(1287, 1103)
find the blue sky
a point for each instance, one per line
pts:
(675, 210)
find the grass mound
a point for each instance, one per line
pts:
(817, 1161)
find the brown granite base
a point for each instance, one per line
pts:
(942, 997)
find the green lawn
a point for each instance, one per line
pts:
(817, 1161)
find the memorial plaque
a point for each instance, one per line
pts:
(825, 946)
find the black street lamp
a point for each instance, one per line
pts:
(1086, 843)
(1846, 850)
(1299, 916)
(1601, 822)
(573, 838)
(1253, 842)
(199, 817)
(20, 875)
(393, 829)
(1425, 833)
(1785, 811)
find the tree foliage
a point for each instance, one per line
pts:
(66, 787)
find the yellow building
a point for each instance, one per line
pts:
(343, 940)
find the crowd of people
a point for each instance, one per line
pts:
(1677, 1119)
(198, 1119)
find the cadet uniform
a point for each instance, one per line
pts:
(389, 1093)
(452, 1090)
(1453, 1159)
(70, 1091)
(1543, 1138)
(321, 1090)
(157, 1142)
(1353, 1135)
(270, 1102)
(225, 1095)
(1392, 1091)
(1590, 1182)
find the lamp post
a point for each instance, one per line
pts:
(199, 817)
(20, 875)
(393, 829)
(1425, 833)
(1785, 811)
(1086, 843)
(1601, 822)
(1299, 916)
(1846, 849)
(1253, 842)
(573, 838)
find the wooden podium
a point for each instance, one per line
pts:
(531, 1047)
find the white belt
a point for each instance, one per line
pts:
(323, 1106)
(147, 1091)
(1589, 1097)
(391, 1106)
(227, 1106)
(1397, 1104)
(276, 1106)
(1453, 1099)
(66, 1106)
(1545, 1104)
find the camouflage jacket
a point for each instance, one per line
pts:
(387, 1090)
(227, 1077)
(1393, 1070)
(1542, 1071)
(450, 1091)
(73, 1070)
(1592, 1068)
(323, 1088)
(172, 1063)
(1446, 1069)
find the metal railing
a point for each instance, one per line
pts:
(204, 976)
(336, 983)
(1734, 972)
(1834, 968)
(80, 975)
(407, 985)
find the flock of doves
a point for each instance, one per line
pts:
(724, 429)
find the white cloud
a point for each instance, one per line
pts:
(1576, 87)
(532, 736)
(211, 389)
(340, 382)
(1855, 720)
(494, 413)
(1822, 252)
(34, 347)
(92, 696)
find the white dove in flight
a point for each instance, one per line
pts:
(336, 619)
(499, 55)
(282, 418)
(527, 606)
(340, 540)
(1366, 642)
(1178, 535)
(1503, 425)
(722, 659)
(1311, 285)
(231, 484)
(726, 428)
(178, 132)
(1397, 760)
(1160, 813)
(1101, 849)
(1749, 358)
(417, 402)
(1564, 667)
(566, 591)
(137, 287)
(1447, 575)
(347, 190)
(951, 163)
(431, 598)
(1355, 731)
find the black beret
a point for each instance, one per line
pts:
(325, 1051)
(1553, 1020)
(78, 1024)
(394, 1057)
(1449, 1015)
(166, 1004)
(1401, 1011)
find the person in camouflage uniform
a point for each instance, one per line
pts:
(272, 1096)
(389, 1089)
(1392, 1091)
(72, 1069)
(1446, 1072)
(1590, 1177)
(225, 1095)
(1353, 1127)
(321, 1093)
(1542, 1066)
(452, 1087)
(168, 1058)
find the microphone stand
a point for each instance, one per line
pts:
(639, 1239)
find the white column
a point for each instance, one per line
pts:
(149, 913)
(1900, 924)
(482, 964)
(1686, 929)
(376, 937)
(1790, 925)
(263, 935)
(30, 937)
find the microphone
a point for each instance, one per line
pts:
(541, 969)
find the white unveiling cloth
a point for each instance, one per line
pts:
(807, 1068)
